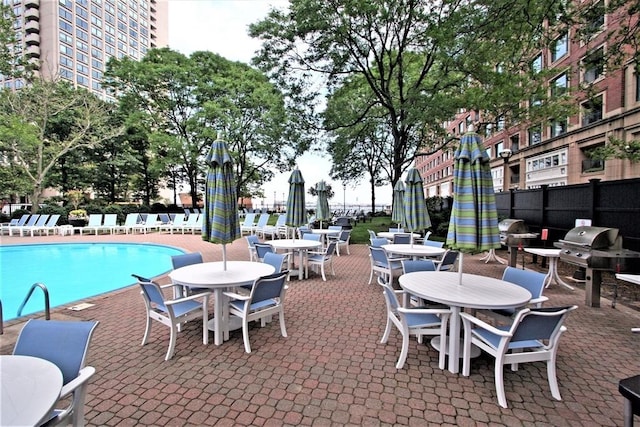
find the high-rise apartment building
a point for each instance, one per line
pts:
(556, 151)
(74, 39)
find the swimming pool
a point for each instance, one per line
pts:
(73, 271)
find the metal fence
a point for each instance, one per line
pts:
(613, 204)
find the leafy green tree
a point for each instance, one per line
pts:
(32, 136)
(416, 63)
(188, 102)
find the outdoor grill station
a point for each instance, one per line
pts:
(515, 235)
(596, 249)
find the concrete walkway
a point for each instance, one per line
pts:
(332, 369)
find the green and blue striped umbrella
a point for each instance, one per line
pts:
(473, 226)
(415, 206)
(397, 210)
(221, 223)
(322, 204)
(296, 210)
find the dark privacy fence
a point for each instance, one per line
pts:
(613, 204)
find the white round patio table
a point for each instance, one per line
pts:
(299, 245)
(212, 275)
(475, 291)
(552, 274)
(389, 234)
(416, 250)
(30, 387)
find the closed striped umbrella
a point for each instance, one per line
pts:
(296, 210)
(397, 210)
(221, 224)
(415, 206)
(473, 226)
(322, 204)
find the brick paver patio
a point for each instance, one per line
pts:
(332, 369)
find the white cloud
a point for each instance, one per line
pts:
(221, 26)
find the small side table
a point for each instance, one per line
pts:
(552, 274)
(629, 388)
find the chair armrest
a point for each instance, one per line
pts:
(189, 298)
(237, 296)
(467, 318)
(538, 301)
(425, 310)
(83, 376)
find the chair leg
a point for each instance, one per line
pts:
(283, 328)
(404, 351)
(324, 278)
(147, 330)
(172, 342)
(387, 331)
(205, 325)
(499, 374)
(245, 335)
(553, 380)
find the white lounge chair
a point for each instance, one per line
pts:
(248, 223)
(130, 221)
(29, 223)
(42, 220)
(175, 224)
(95, 222)
(50, 225)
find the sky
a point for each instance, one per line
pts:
(221, 26)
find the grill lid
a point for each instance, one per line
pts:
(512, 226)
(592, 237)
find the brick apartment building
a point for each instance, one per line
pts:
(555, 152)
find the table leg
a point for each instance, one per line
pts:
(553, 274)
(454, 340)
(491, 256)
(218, 315)
(300, 266)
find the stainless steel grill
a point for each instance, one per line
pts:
(596, 249)
(514, 234)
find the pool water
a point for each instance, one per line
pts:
(74, 271)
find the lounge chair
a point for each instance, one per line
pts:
(30, 223)
(263, 219)
(94, 224)
(50, 225)
(130, 221)
(192, 223)
(273, 230)
(109, 224)
(248, 223)
(42, 220)
(176, 223)
(150, 222)
(16, 222)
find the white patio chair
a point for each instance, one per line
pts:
(322, 258)
(172, 313)
(533, 336)
(413, 321)
(265, 299)
(95, 222)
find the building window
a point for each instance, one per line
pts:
(535, 135)
(515, 143)
(592, 110)
(536, 64)
(558, 127)
(559, 85)
(637, 87)
(593, 65)
(560, 47)
(499, 148)
(594, 20)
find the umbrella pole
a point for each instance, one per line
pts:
(224, 256)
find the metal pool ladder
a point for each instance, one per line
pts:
(46, 300)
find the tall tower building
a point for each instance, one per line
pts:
(74, 39)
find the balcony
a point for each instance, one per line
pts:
(32, 14)
(33, 51)
(32, 3)
(32, 39)
(32, 26)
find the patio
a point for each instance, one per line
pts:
(332, 370)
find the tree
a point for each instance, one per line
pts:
(420, 61)
(46, 120)
(188, 102)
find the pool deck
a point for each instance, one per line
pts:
(332, 369)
